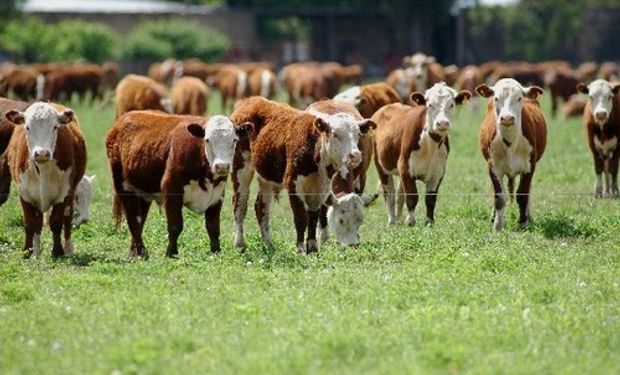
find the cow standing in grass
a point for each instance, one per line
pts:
(513, 137)
(47, 158)
(601, 117)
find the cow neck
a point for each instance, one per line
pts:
(436, 137)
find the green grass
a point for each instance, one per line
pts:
(451, 299)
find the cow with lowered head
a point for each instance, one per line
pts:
(47, 158)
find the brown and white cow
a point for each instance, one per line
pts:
(513, 137)
(262, 82)
(562, 84)
(47, 158)
(402, 80)
(412, 142)
(189, 96)
(136, 92)
(176, 161)
(601, 118)
(299, 151)
(574, 106)
(425, 70)
(609, 71)
(232, 83)
(6, 132)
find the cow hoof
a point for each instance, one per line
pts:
(524, 225)
(69, 248)
(429, 222)
(311, 247)
(301, 248)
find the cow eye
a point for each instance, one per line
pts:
(519, 99)
(341, 222)
(206, 140)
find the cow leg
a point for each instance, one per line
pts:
(324, 231)
(598, 169)
(313, 218)
(261, 207)
(500, 201)
(56, 222)
(431, 200)
(212, 223)
(174, 218)
(136, 211)
(613, 173)
(241, 177)
(300, 216)
(68, 223)
(5, 180)
(33, 223)
(400, 200)
(523, 199)
(387, 183)
(411, 193)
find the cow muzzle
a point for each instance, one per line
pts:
(442, 126)
(221, 169)
(353, 159)
(507, 120)
(42, 156)
(601, 116)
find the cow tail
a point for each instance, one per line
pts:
(511, 189)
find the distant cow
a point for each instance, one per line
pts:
(562, 84)
(20, 81)
(513, 137)
(262, 82)
(574, 107)
(187, 164)
(425, 70)
(586, 72)
(6, 132)
(601, 117)
(609, 71)
(402, 80)
(47, 158)
(83, 200)
(412, 142)
(136, 92)
(232, 83)
(295, 150)
(189, 96)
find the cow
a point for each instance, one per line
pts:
(562, 84)
(574, 106)
(299, 151)
(189, 96)
(412, 142)
(136, 92)
(469, 78)
(262, 82)
(232, 83)
(62, 83)
(164, 72)
(601, 118)
(586, 71)
(6, 132)
(524, 73)
(425, 70)
(21, 81)
(402, 81)
(47, 159)
(83, 200)
(609, 71)
(187, 162)
(513, 137)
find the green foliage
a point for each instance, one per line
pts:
(32, 40)
(180, 39)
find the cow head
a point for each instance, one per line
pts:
(41, 122)
(340, 135)
(439, 101)
(354, 97)
(601, 94)
(83, 199)
(220, 137)
(419, 64)
(345, 216)
(508, 97)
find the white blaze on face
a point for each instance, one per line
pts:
(440, 100)
(344, 218)
(601, 100)
(83, 199)
(41, 122)
(419, 65)
(341, 145)
(350, 96)
(220, 140)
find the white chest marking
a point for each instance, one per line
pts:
(149, 197)
(607, 147)
(45, 188)
(313, 190)
(199, 200)
(513, 160)
(429, 162)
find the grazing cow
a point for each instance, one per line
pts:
(513, 137)
(136, 92)
(47, 158)
(574, 107)
(189, 96)
(262, 82)
(232, 83)
(412, 142)
(601, 117)
(562, 84)
(62, 83)
(20, 81)
(83, 199)
(6, 131)
(186, 163)
(297, 150)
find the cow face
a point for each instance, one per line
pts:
(41, 122)
(83, 199)
(508, 97)
(340, 136)
(220, 137)
(419, 64)
(439, 101)
(601, 94)
(346, 215)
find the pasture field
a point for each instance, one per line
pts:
(450, 299)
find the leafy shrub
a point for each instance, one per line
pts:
(29, 39)
(180, 39)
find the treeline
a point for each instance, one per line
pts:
(30, 40)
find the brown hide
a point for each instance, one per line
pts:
(255, 82)
(189, 96)
(6, 131)
(375, 96)
(136, 92)
(574, 107)
(562, 84)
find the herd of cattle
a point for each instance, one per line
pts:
(162, 148)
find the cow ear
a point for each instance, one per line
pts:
(366, 125)
(196, 130)
(244, 130)
(582, 88)
(615, 88)
(321, 125)
(65, 117)
(462, 96)
(532, 92)
(485, 91)
(418, 98)
(16, 117)
(369, 199)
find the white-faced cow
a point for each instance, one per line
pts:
(83, 200)
(513, 137)
(47, 158)
(412, 142)
(601, 117)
